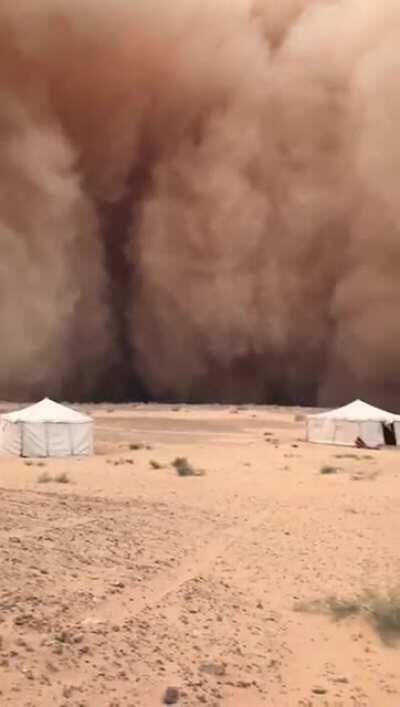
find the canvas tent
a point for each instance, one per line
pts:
(46, 429)
(343, 426)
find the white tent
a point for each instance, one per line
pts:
(46, 429)
(358, 419)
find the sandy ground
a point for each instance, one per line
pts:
(130, 579)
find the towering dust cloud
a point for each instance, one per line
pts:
(199, 199)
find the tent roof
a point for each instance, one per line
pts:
(358, 411)
(47, 411)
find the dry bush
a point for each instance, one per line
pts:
(184, 468)
(44, 478)
(347, 456)
(381, 609)
(365, 475)
(327, 469)
(62, 478)
(384, 613)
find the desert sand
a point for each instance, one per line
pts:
(130, 579)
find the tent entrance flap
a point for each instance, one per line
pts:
(389, 434)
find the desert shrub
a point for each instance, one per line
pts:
(384, 613)
(332, 605)
(155, 464)
(135, 446)
(381, 609)
(327, 469)
(342, 608)
(365, 475)
(44, 478)
(183, 467)
(62, 478)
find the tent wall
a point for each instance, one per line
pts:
(11, 438)
(82, 439)
(320, 430)
(344, 432)
(58, 440)
(34, 442)
(47, 439)
(397, 433)
(372, 433)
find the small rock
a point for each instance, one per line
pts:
(171, 696)
(319, 691)
(213, 669)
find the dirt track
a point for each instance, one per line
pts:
(130, 579)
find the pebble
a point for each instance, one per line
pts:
(171, 696)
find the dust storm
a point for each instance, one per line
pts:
(199, 200)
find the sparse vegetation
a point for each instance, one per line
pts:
(44, 478)
(120, 462)
(382, 610)
(135, 446)
(364, 476)
(155, 464)
(62, 478)
(346, 456)
(184, 468)
(327, 469)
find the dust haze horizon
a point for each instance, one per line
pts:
(199, 201)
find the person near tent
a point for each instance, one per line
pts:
(360, 443)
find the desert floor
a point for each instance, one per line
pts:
(130, 579)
